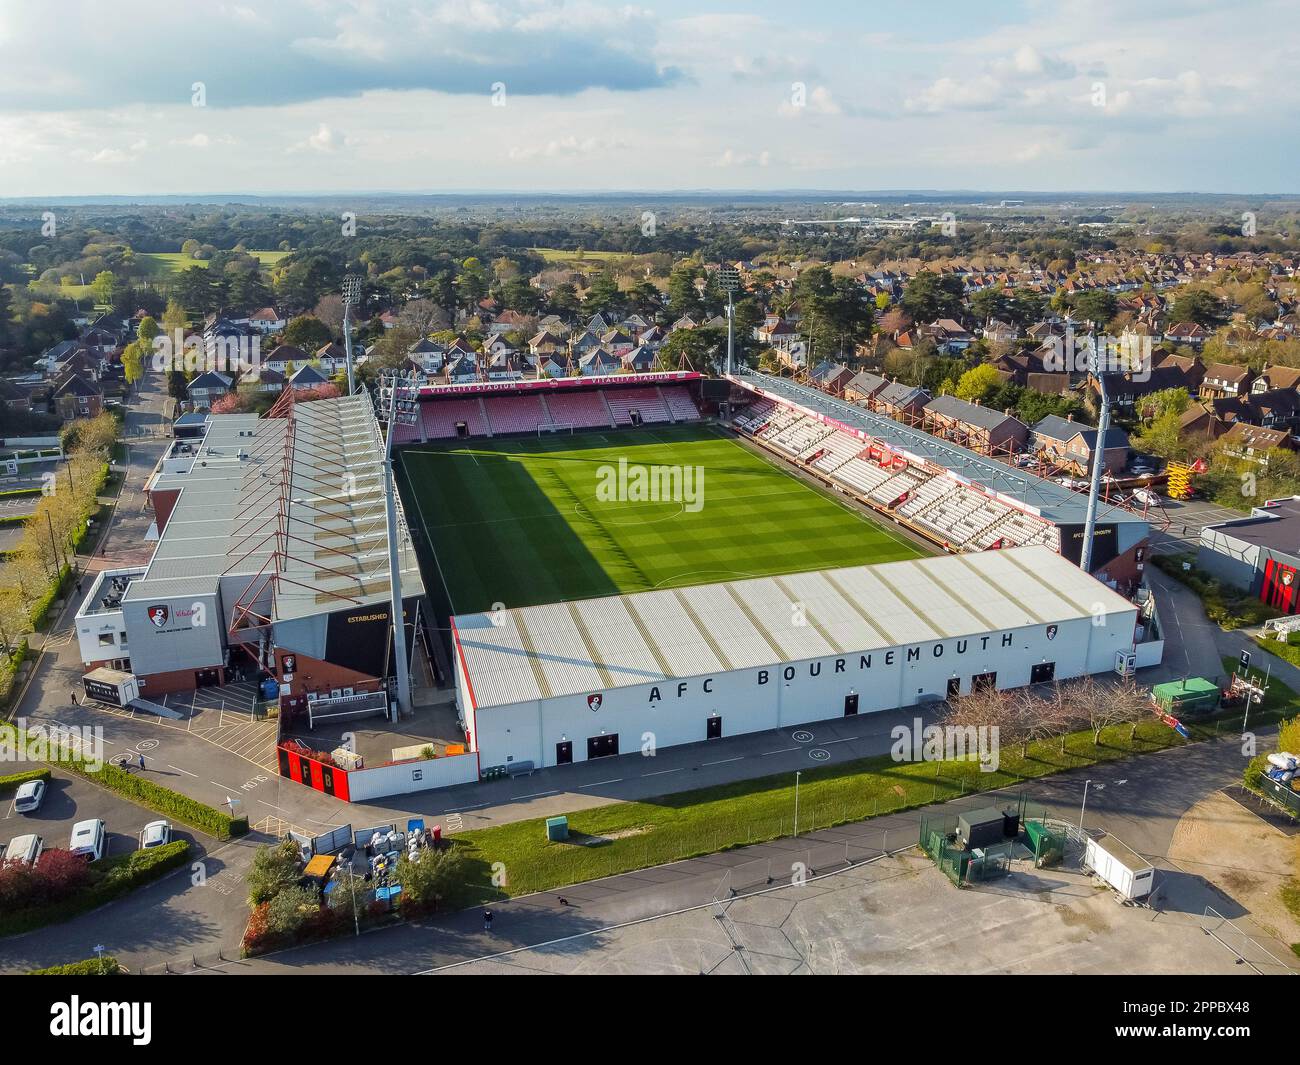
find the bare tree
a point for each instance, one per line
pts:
(422, 316)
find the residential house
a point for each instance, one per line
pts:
(1225, 379)
(545, 343)
(863, 386)
(286, 358)
(1187, 333)
(1253, 442)
(599, 363)
(904, 403)
(831, 377)
(307, 376)
(267, 320)
(1073, 444)
(641, 359)
(980, 428)
(207, 387)
(75, 395)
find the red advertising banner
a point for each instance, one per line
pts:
(559, 383)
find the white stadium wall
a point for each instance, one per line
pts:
(676, 711)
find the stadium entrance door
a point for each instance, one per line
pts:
(564, 752)
(714, 729)
(850, 704)
(1042, 672)
(602, 746)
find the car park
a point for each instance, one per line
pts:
(155, 834)
(29, 797)
(89, 838)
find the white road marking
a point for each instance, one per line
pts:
(616, 780)
(783, 750)
(724, 761)
(180, 770)
(661, 772)
(536, 795)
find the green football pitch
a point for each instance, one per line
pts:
(527, 521)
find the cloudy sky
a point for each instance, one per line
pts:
(200, 97)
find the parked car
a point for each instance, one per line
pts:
(155, 834)
(1147, 497)
(30, 796)
(25, 849)
(89, 838)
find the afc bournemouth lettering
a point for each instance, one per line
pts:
(841, 665)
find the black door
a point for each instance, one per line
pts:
(954, 687)
(206, 678)
(602, 746)
(564, 752)
(1042, 673)
(850, 704)
(714, 729)
(984, 681)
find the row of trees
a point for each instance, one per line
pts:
(1028, 715)
(57, 523)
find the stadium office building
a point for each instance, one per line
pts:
(573, 681)
(271, 558)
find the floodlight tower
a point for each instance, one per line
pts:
(1097, 363)
(351, 298)
(729, 278)
(398, 403)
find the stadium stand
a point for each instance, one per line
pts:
(679, 403)
(956, 515)
(515, 414)
(646, 401)
(583, 410)
(440, 419)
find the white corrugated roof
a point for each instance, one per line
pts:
(541, 652)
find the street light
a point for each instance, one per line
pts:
(1083, 805)
(796, 803)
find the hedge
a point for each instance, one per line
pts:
(1226, 607)
(15, 493)
(17, 780)
(156, 797)
(9, 671)
(7, 522)
(105, 966)
(41, 607)
(117, 877)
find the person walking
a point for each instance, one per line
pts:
(487, 920)
(73, 693)
(142, 761)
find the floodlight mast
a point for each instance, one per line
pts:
(730, 278)
(1098, 365)
(396, 610)
(351, 298)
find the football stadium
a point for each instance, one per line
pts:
(631, 555)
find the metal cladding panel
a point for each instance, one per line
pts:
(946, 609)
(726, 625)
(890, 611)
(674, 635)
(1025, 592)
(496, 661)
(833, 613)
(623, 650)
(560, 650)
(784, 618)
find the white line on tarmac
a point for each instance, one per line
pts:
(740, 758)
(783, 750)
(180, 770)
(229, 789)
(534, 795)
(616, 780)
(661, 772)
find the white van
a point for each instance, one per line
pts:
(88, 839)
(25, 849)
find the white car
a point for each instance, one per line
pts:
(29, 797)
(1146, 497)
(155, 834)
(89, 839)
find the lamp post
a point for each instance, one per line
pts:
(351, 297)
(1083, 805)
(1098, 459)
(796, 803)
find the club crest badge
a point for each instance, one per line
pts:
(594, 701)
(158, 616)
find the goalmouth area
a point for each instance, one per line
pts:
(525, 521)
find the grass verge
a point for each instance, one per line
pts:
(621, 837)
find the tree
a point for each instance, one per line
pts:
(1095, 305)
(698, 348)
(928, 296)
(306, 332)
(432, 877)
(1200, 306)
(147, 330)
(135, 357)
(978, 383)
(988, 303)
(104, 287)
(273, 870)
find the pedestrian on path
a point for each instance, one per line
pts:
(487, 920)
(141, 761)
(73, 693)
